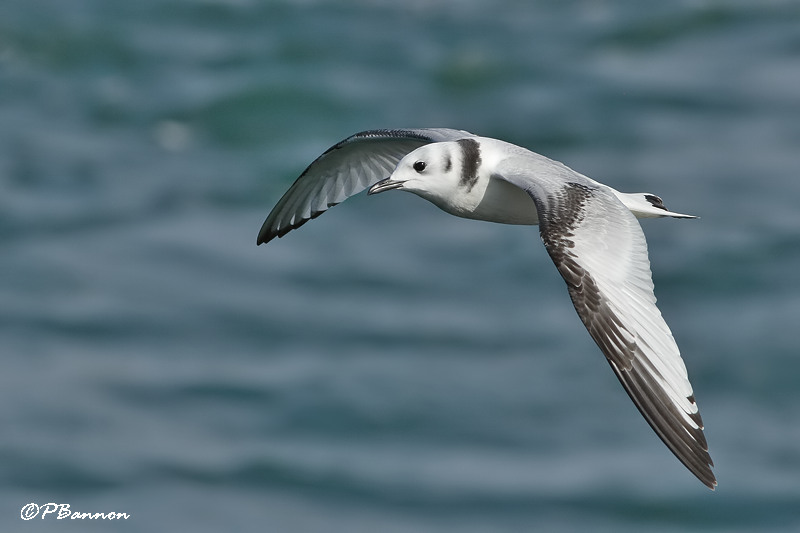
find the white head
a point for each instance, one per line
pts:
(443, 173)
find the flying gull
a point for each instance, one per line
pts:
(589, 230)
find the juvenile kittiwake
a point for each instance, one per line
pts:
(589, 230)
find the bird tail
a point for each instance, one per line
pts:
(646, 205)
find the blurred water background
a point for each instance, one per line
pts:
(388, 368)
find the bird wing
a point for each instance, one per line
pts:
(345, 169)
(600, 250)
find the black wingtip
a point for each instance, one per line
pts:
(264, 236)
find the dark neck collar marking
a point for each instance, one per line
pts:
(470, 161)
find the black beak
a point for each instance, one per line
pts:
(384, 185)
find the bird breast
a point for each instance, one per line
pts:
(502, 202)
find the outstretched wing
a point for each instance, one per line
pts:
(600, 251)
(345, 169)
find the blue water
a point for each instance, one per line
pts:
(387, 367)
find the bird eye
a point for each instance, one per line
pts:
(419, 166)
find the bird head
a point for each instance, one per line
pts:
(431, 171)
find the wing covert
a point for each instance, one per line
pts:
(599, 249)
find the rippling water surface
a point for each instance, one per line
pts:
(388, 367)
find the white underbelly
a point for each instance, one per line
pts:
(504, 203)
